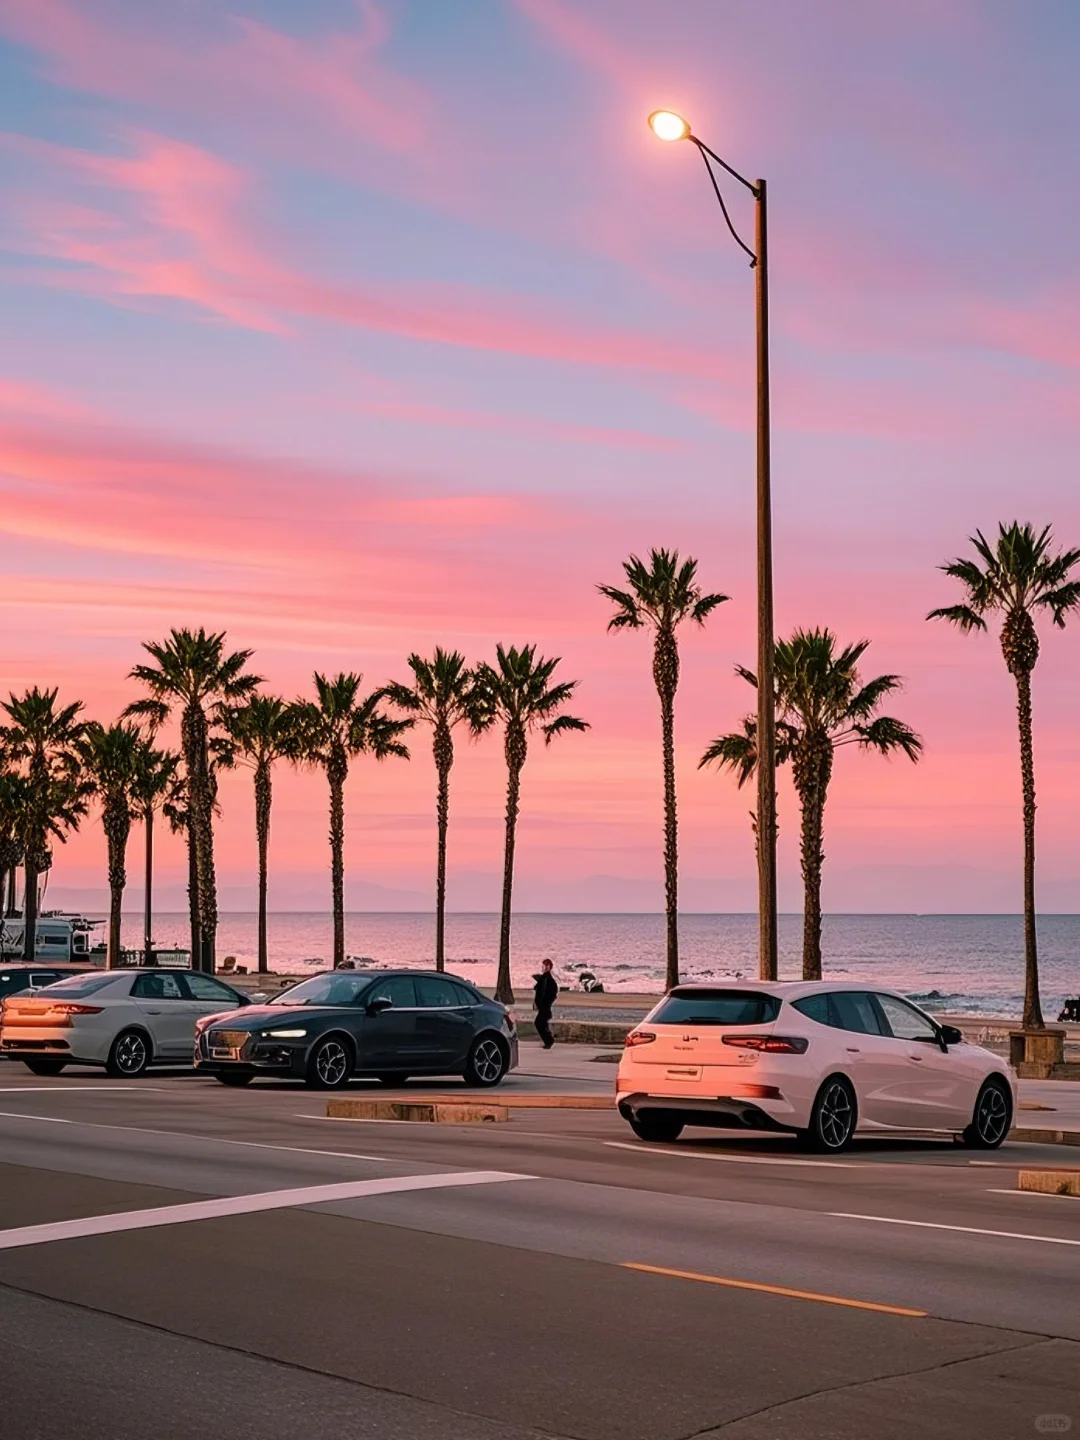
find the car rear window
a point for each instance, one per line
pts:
(716, 1007)
(82, 984)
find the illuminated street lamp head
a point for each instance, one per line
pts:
(666, 125)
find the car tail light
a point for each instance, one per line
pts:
(639, 1037)
(69, 1008)
(769, 1044)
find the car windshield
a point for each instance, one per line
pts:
(80, 984)
(715, 1007)
(334, 989)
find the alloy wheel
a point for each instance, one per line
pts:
(488, 1061)
(836, 1116)
(131, 1054)
(331, 1063)
(992, 1116)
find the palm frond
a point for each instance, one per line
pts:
(962, 616)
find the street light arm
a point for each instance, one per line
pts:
(725, 166)
(705, 153)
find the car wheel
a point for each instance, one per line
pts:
(394, 1079)
(658, 1126)
(833, 1118)
(331, 1064)
(487, 1062)
(992, 1116)
(129, 1056)
(44, 1065)
(233, 1077)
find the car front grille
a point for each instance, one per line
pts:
(234, 1039)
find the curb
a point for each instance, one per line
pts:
(1049, 1182)
(1046, 1137)
(424, 1112)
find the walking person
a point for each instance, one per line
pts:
(544, 995)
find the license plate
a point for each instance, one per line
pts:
(224, 1052)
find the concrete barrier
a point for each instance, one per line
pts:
(1050, 1182)
(1045, 1137)
(430, 1112)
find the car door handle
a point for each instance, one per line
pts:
(853, 1050)
(917, 1058)
(154, 1012)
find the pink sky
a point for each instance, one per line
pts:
(357, 328)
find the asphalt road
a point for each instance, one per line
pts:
(178, 1260)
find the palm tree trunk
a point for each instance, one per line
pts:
(1033, 1016)
(117, 823)
(263, 800)
(336, 773)
(149, 958)
(443, 814)
(812, 771)
(201, 820)
(515, 747)
(30, 908)
(193, 897)
(671, 837)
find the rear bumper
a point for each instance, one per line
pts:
(18, 1041)
(723, 1112)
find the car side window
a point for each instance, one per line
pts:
(432, 993)
(854, 1010)
(43, 977)
(202, 987)
(465, 996)
(905, 1022)
(156, 987)
(815, 1007)
(398, 989)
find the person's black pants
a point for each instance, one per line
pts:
(543, 1028)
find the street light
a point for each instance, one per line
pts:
(668, 125)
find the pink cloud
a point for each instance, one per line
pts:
(336, 81)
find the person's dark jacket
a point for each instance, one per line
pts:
(545, 991)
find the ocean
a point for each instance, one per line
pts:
(972, 963)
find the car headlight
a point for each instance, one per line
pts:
(284, 1034)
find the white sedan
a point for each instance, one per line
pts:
(819, 1058)
(124, 1020)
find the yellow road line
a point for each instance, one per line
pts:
(775, 1290)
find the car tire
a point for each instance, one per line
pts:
(394, 1079)
(44, 1065)
(233, 1077)
(833, 1118)
(660, 1127)
(129, 1056)
(330, 1065)
(487, 1063)
(991, 1119)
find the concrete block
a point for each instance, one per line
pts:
(428, 1112)
(1050, 1182)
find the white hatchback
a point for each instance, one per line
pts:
(821, 1059)
(124, 1020)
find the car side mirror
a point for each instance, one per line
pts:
(257, 998)
(950, 1035)
(378, 1005)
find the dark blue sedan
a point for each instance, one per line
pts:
(388, 1024)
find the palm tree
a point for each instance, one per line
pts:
(194, 675)
(1018, 578)
(13, 807)
(821, 705)
(157, 781)
(661, 595)
(445, 693)
(516, 693)
(113, 761)
(262, 731)
(44, 741)
(333, 728)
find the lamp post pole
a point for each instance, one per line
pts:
(766, 716)
(667, 125)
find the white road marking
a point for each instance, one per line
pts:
(188, 1135)
(736, 1159)
(82, 1089)
(956, 1229)
(244, 1205)
(1038, 1194)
